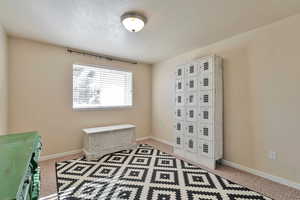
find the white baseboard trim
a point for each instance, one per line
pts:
(162, 140)
(58, 155)
(225, 162)
(143, 138)
(262, 174)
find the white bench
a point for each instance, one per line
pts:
(99, 141)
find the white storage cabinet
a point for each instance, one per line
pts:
(103, 140)
(198, 121)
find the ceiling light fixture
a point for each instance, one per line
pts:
(133, 22)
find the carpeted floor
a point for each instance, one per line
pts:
(264, 186)
(144, 173)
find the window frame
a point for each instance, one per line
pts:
(104, 66)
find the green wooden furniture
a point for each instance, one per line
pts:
(19, 170)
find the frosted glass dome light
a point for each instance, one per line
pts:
(133, 22)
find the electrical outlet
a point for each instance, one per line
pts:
(272, 155)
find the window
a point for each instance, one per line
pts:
(96, 87)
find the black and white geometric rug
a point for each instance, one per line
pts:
(144, 173)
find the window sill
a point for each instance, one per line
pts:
(102, 108)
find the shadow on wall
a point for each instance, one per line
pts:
(238, 133)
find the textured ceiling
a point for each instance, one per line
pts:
(173, 27)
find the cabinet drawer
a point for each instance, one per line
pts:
(180, 72)
(205, 131)
(205, 148)
(206, 82)
(206, 98)
(191, 69)
(179, 113)
(191, 114)
(179, 99)
(179, 140)
(205, 66)
(179, 127)
(191, 99)
(191, 129)
(191, 144)
(179, 85)
(205, 114)
(191, 84)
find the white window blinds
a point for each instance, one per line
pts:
(95, 87)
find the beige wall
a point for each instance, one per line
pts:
(40, 96)
(261, 97)
(3, 81)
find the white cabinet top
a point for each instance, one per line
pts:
(103, 129)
